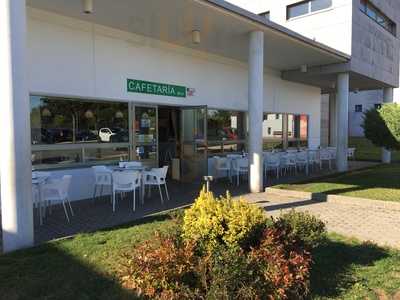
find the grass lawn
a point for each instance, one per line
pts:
(84, 267)
(366, 151)
(381, 183)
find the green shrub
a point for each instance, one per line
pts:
(382, 126)
(305, 227)
(226, 249)
(211, 222)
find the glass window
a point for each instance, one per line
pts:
(375, 14)
(358, 108)
(298, 9)
(306, 7)
(66, 131)
(225, 131)
(106, 154)
(224, 125)
(320, 4)
(297, 130)
(146, 133)
(62, 121)
(273, 131)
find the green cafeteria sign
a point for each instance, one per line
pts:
(155, 88)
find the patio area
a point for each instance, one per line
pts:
(96, 215)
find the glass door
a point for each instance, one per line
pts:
(145, 135)
(194, 157)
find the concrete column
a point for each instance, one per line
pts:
(15, 158)
(332, 120)
(387, 98)
(256, 91)
(342, 121)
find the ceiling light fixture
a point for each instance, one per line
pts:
(87, 6)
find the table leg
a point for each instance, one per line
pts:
(40, 205)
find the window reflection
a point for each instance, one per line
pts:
(225, 131)
(297, 130)
(146, 133)
(273, 131)
(65, 131)
(60, 121)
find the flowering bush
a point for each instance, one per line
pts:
(212, 221)
(241, 255)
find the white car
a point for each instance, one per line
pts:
(105, 134)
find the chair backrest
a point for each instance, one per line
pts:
(39, 174)
(221, 162)
(301, 156)
(65, 184)
(234, 156)
(102, 175)
(161, 173)
(242, 162)
(129, 164)
(126, 179)
(325, 154)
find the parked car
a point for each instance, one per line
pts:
(114, 135)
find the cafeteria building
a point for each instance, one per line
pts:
(98, 82)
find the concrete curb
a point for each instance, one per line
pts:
(318, 197)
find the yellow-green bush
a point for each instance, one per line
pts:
(212, 221)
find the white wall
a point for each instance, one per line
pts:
(332, 27)
(68, 57)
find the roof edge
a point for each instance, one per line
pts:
(269, 25)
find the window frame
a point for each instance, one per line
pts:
(309, 9)
(365, 6)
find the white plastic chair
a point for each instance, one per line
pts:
(103, 178)
(288, 162)
(157, 177)
(240, 166)
(130, 164)
(124, 182)
(301, 160)
(325, 155)
(313, 158)
(272, 163)
(222, 164)
(56, 191)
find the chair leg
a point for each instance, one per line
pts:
(65, 210)
(161, 195)
(113, 200)
(134, 200)
(166, 191)
(101, 191)
(94, 193)
(70, 207)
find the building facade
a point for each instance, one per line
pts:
(366, 30)
(160, 80)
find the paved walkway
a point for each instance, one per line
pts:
(365, 222)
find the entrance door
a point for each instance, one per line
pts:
(194, 157)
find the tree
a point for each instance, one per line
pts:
(382, 126)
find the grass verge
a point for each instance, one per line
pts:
(85, 267)
(379, 183)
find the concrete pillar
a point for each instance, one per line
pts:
(15, 158)
(342, 121)
(256, 91)
(387, 98)
(332, 120)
